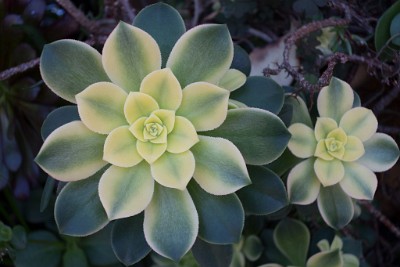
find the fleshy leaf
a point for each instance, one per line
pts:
(232, 80)
(68, 66)
(292, 238)
(359, 182)
(125, 192)
(205, 105)
(171, 222)
(101, 107)
(167, 118)
(174, 170)
(329, 172)
(322, 152)
(183, 137)
(360, 122)
(203, 53)
(220, 168)
(163, 86)
(350, 260)
(78, 210)
(335, 100)
(300, 110)
(207, 254)
(127, 239)
(303, 143)
(253, 248)
(266, 194)
(326, 258)
(149, 151)
(43, 249)
(58, 118)
(139, 105)
(323, 127)
(354, 149)
(259, 134)
(335, 206)
(381, 153)
(74, 256)
(261, 92)
(129, 54)
(72, 152)
(120, 148)
(303, 184)
(241, 60)
(221, 218)
(165, 26)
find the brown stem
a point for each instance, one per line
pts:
(386, 99)
(380, 217)
(19, 69)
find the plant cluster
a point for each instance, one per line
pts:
(164, 151)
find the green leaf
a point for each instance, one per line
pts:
(335, 99)
(163, 86)
(164, 24)
(210, 255)
(78, 210)
(203, 53)
(359, 182)
(335, 206)
(232, 80)
(220, 168)
(326, 258)
(174, 170)
(43, 249)
(260, 92)
(74, 257)
(221, 218)
(125, 192)
(303, 143)
(381, 153)
(382, 32)
(19, 237)
(47, 193)
(266, 194)
(359, 122)
(292, 239)
(252, 247)
(350, 261)
(72, 152)
(128, 240)
(303, 184)
(329, 172)
(259, 134)
(101, 107)
(205, 105)
(129, 54)
(300, 110)
(98, 248)
(171, 222)
(58, 118)
(68, 67)
(241, 60)
(395, 29)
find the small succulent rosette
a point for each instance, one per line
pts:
(340, 155)
(152, 112)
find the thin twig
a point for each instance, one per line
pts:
(198, 8)
(19, 69)
(382, 218)
(78, 15)
(386, 99)
(129, 12)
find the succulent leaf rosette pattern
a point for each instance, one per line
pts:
(341, 154)
(151, 109)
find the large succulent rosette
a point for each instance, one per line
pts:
(152, 113)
